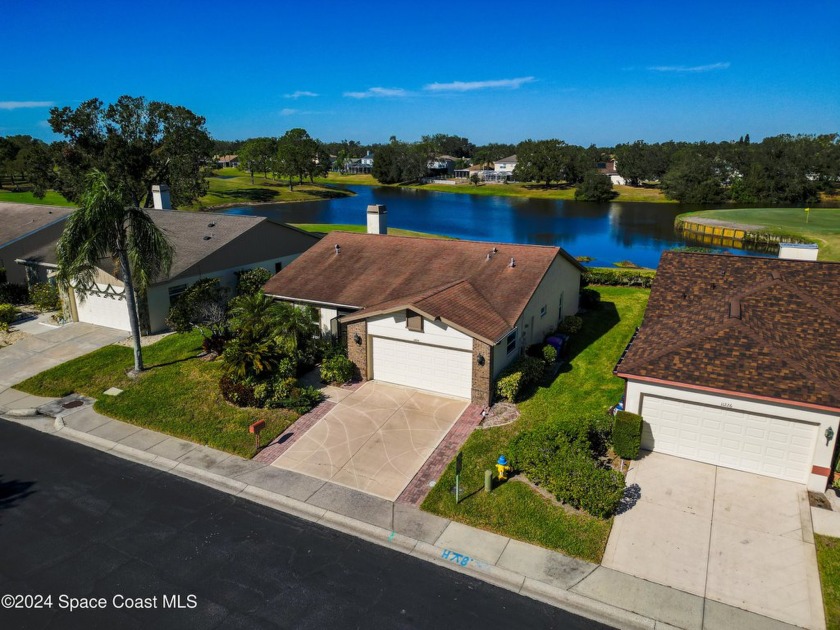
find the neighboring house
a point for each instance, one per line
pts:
(227, 161)
(737, 363)
(505, 165)
(609, 169)
(206, 245)
(24, 228)
(441, 315)
(441, 165)
(360, 165)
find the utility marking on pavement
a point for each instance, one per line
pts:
(457, 558)
(391, 536)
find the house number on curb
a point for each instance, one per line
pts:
(726, 405)
(455, 557)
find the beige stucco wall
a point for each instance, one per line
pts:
(434, 333)
(823, 451)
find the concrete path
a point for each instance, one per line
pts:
(374, 439)
(596, 592)
(731, 537)
(33, 355)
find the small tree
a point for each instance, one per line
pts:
(474, 179)
(595, 187)
(251, 281)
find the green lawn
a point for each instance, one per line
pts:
(823, 225)
(533, 191)
(178, 394)
(346, 227)
(828, 559)
(584, 388)
(231, 187)
(51, 198)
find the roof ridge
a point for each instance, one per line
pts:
(457, 240)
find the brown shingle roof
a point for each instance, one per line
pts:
(757, 326)
(452, 280)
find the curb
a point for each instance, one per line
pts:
(489, 573)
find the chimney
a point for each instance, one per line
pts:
(160, 194)
(377, 220)
(798, 251)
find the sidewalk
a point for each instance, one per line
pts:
(586, 589)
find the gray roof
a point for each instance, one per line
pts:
(511, 159)
(20, 219)
(196, 236)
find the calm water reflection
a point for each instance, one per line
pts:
(608, 232)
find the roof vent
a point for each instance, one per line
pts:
(512, 262)
(775, 275)
(211, 224)
(735, 309)
(495, 250)
(337, 248)
(207, 238)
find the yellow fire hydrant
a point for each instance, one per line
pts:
(503, 467)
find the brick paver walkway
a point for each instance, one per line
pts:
(419, 487)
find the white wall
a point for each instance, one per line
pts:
(158, 295)
(823, 452)
(434, 333)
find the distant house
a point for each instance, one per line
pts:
(441, 165)
(24, 228)
(445, 316)
(227, 161)
(360, 165)
(609, 169)
(505, 165)
(737, 364)
(206, 245)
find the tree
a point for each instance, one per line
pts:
(296, 153)
(541, 161)
(202, 306)
(474, 179)
(696, 175)
(443, 144)
(489, 153)
(595, 187)
(137, 143)
(258, 155)
(106, 226)
(398, 162)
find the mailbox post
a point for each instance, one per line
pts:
(255, 428)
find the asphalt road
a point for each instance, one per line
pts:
(77, 523)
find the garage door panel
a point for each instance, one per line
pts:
(744, 441)
(434, 368)
(103, 310)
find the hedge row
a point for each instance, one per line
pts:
(561, 457)
(619, 277)
(627, 434)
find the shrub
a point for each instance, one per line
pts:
(570, 325)
(627, 434)
(619, 277)
(337, 369)
(519, 376)
(589, 299)
(251, 281)
(508, 386)
(560, 457)
(595, 187)
(7, 316)
(201, 305)
(240, 393)
(549, 353)
(11, 293)
(45, 296)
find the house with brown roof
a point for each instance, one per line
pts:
(737, 363)
(440, 315)
(206, 245)
(23, 228)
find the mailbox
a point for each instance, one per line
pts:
(258, 426)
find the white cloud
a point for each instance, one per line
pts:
(24, 104)
(288, 111)
(375, 92)
(723, 65)
(469, 86)
(299, 93)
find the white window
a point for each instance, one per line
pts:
(542, 311)
(511, 342)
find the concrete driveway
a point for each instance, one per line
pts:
(729, 536)
(34, 354)
(375, 439)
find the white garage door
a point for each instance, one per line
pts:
(436, 369)
(725, 437)
(102, 310)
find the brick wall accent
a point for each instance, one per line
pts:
(482, 375)
(358, 353)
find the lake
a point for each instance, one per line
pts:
(606, 232)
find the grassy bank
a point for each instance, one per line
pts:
(232, 187)
(828, 559)
(52, 198)
(178, 394)
(586, 386)
(823, 226)
(531, 191)
(346, 227)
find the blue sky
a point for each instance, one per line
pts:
(602, 73)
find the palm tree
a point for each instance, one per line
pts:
(106, 227)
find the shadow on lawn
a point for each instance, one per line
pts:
(191, 357)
